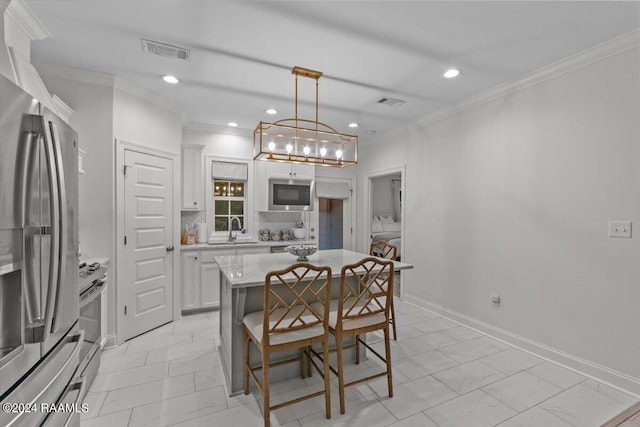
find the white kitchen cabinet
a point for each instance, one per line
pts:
(201, 276)
(263, 170)
(192, 179)
(209, 285)
(290, 170)
(190, 277)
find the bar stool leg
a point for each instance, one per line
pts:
(357, 349)
(387, 349)
(265, 386)
(327, 389)
(246, 362)
(393, 319)
(340, 371)
(303, 363)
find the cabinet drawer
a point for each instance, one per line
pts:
(207, 256)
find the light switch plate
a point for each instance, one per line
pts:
(620, 229)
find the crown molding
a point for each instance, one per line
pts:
(132, 89)
(108, 80)
(62, 107)
(27, 20)
(225, 130)
(76, 74)
(594, 54)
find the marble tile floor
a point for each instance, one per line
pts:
(444, 374)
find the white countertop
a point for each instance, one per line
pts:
(250, 270)
(253, 244)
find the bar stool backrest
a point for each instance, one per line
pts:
(365, 289)
(289, 295)
(383, 249)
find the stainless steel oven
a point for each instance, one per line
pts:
(93, 281)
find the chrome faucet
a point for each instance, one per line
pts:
(232, 236)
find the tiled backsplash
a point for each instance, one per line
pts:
(279, 220)
(188, 217)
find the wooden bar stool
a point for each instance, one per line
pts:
(366, 288)
(296, 302)
(383, 249)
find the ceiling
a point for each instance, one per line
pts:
(242, 52)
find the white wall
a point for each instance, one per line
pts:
(382, 194)
(219, 143)
(514, 195)
(142, 122)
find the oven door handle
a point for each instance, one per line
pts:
(96, 289)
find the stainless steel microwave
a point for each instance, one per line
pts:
(290, 195)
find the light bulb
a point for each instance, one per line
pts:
(289, 148)
(272, 146)
(306, 150)
(170, 79)
(338, 154)
(323, 151)
(451, 73)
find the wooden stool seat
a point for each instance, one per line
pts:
(254, 322)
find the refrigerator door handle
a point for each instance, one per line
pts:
(32, 291)
(54, 254)
(62, 230)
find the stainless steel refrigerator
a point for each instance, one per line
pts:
(39, 336)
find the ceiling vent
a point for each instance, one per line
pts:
(166, 50)
(391, 102)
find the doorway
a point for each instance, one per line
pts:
(385, 217)
(331, 224)
(335, 213)
(147, 285)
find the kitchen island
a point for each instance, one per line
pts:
(242, 291)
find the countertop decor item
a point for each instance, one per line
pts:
(299, 233)
(302, 140)
(264, 234)
(286, 234)
(276, 235)
(302, 251)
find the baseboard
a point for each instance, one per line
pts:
(584, 367)
(110, 341)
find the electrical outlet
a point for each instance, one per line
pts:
(620, 229)
(495, 298)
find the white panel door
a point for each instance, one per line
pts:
(148, 195)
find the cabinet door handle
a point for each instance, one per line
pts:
(169, 248)
(195, 203)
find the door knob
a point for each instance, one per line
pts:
(169, 248)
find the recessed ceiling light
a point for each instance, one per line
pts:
(271, 111)
(452, 72)
(353, 125)
(170, 79)
(232, 124)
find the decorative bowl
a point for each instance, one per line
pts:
(302, 251)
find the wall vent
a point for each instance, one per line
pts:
(166, 50)
(391, 102)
